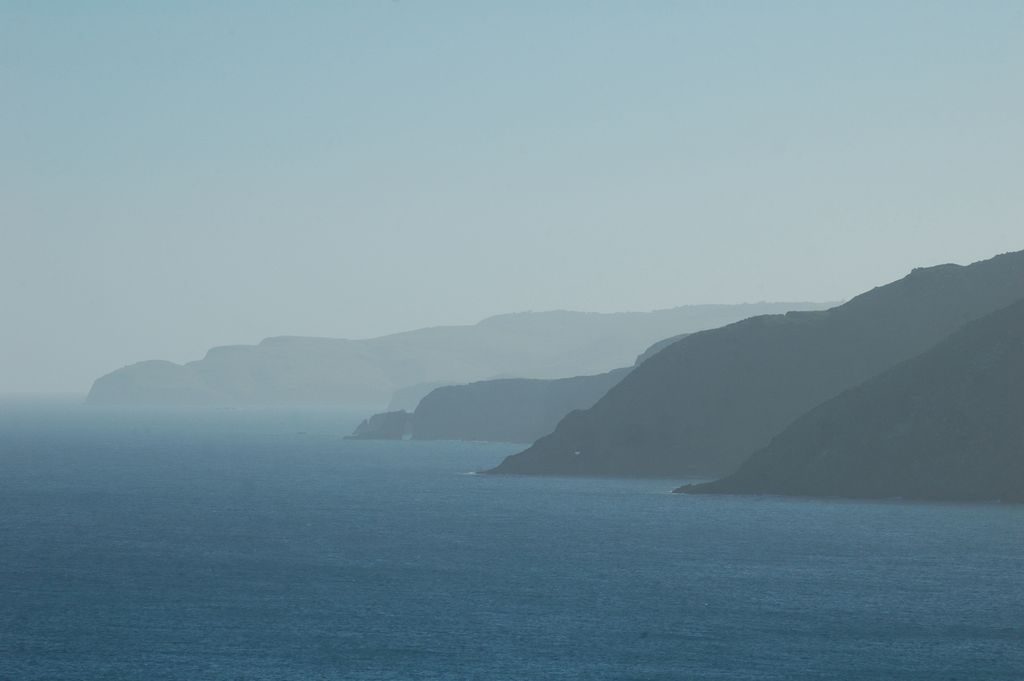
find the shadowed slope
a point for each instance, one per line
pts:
(702, 405)
(946, 425)
(499, 410)
(506, 410)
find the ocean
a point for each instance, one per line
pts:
(257, 544)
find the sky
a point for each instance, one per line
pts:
(175, 176)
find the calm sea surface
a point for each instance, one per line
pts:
(257, 544)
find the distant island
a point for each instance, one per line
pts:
(946, 425)
(705, 403)
(370, 373)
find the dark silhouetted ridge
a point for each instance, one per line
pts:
(705, 403)
(946, 425)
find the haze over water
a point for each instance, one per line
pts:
(257, 544)
(258, 184)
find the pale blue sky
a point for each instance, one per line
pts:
(180, 175)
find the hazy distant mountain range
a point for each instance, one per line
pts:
(948, 424)
(507, 410)
(499, 410)
(705, 403)
(294, 370)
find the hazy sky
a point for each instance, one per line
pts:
(179, 175)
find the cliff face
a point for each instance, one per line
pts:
(501, 410)
(946, 425)
(292, 370)
(392, 425)
(703, 404)
(506, 410)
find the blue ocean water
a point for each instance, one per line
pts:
(257, 544)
